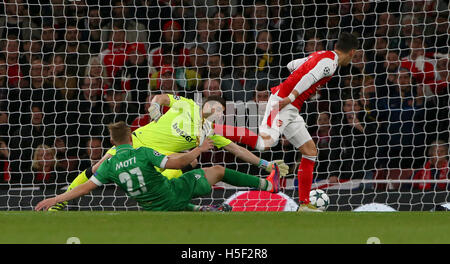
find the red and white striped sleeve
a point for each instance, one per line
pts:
(295, 64)
(324, 68)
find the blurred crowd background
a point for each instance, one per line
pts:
(69, 68)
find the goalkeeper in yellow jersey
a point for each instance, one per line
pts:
(183, 127)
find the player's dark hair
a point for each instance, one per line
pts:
(347, 42)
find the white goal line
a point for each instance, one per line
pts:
(405, 181)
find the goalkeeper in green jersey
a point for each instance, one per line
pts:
(184, 126)
(133, 170)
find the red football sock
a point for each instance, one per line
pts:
(237, 134)
(305, 177)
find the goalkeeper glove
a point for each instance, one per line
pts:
(154, 111)
(207, 130)
(283, 167)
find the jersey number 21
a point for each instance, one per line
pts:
(128, 179)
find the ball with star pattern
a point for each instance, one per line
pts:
(319, 198)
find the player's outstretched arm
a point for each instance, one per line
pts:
(242, 153)
(249, 157)
(180, 160)
(78, 191)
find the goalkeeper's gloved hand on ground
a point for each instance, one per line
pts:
(154, 111)
(283, 167)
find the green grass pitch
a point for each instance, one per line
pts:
(223, 228)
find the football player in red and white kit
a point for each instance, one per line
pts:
(282, 116)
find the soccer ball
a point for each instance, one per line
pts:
(319, 198)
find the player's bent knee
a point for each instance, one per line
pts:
(216, 170)
(220, 170)
(214, 174)
(215, 167)
(308, 149)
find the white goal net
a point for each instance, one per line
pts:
(68, 68)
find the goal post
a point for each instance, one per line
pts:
(68, 68)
